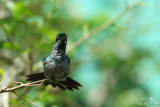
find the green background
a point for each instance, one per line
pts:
(118, 66)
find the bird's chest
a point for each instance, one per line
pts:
(56, 69)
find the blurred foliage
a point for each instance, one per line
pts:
(118, 66)
(1, 74)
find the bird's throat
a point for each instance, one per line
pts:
(59, 51)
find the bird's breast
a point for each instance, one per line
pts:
(56, 70)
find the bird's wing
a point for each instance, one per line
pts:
(68, 60)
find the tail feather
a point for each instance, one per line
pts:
(70, 80)
(35, 77)
(68, 86)
(69, 83)
(53, 84)
(61, 86)
(45, 83)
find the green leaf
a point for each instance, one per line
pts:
(1, 73)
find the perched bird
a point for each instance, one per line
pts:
(56, 67)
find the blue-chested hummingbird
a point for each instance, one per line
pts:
(56, 67)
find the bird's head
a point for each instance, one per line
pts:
(62, 37)
(61, 41)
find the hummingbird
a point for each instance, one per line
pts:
(56, 67)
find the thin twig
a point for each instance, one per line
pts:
(19, 83)
(9, 86)
(86, 36)
(36, 84)
(23, 98)
(7, 89)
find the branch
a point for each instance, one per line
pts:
(8, 89)
(23, 98)
(94, 31)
